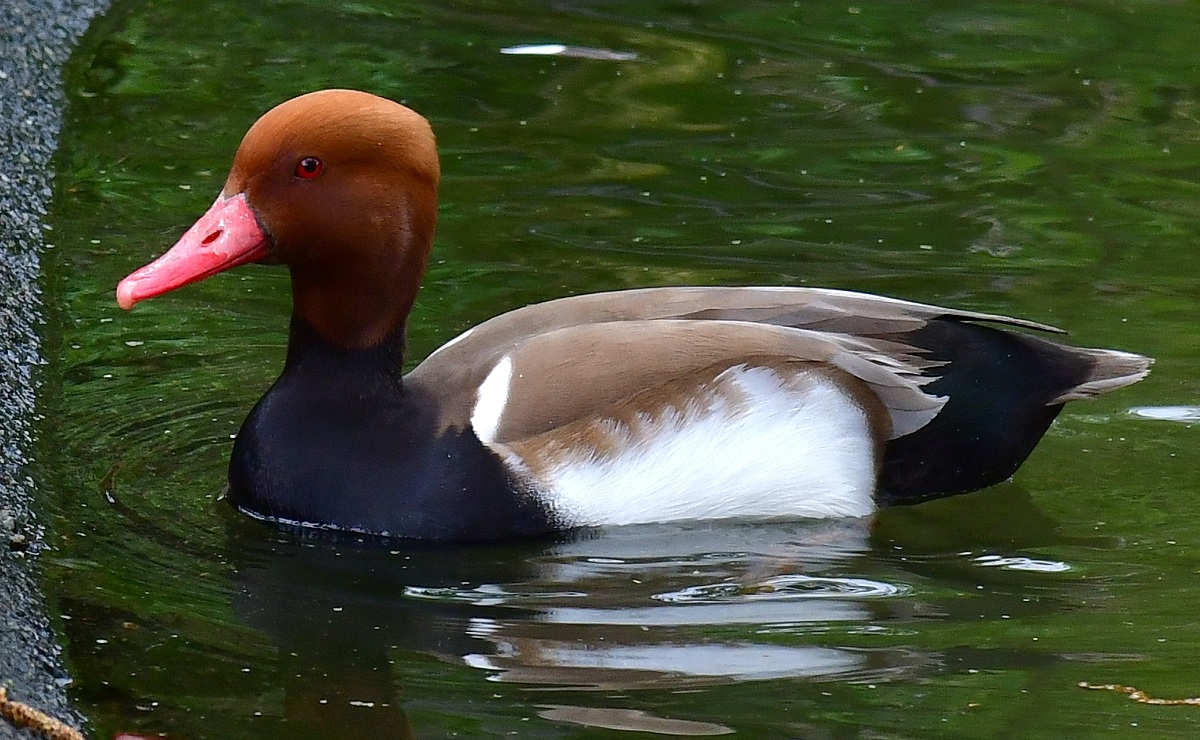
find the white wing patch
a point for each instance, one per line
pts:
(762, 447)
(491, 399)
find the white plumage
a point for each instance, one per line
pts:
(755, 445)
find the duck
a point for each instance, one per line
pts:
(649, 405)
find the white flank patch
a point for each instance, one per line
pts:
(490, 400)
(780, 451)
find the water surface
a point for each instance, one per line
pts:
(1030, 159)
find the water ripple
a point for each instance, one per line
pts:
(783, 588)
(1021, 563)
(487, 594)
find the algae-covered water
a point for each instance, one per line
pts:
(1036, 159)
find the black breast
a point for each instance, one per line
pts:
(338, 441)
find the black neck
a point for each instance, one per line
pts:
(380, 367)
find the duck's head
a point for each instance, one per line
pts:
(340, 186)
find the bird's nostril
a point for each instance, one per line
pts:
(212, 237)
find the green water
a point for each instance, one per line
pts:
(1036, 159)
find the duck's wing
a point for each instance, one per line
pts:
(816, 309)
(629, 327)
(626, 422)
(549, 380)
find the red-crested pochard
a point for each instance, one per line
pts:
(615, 408)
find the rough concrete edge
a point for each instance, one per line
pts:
(37, 38)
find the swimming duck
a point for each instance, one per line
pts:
(625, 407)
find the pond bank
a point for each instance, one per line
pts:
(36, 40)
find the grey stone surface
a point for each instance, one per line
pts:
(36, 40)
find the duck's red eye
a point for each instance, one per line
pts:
(308, 168)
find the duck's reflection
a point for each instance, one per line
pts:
(357, 621)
